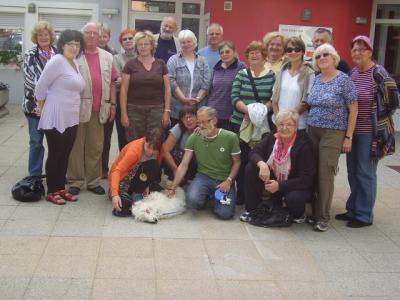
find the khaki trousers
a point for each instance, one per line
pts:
(328, 145)
(85, 159)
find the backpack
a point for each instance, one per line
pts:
(28, 189)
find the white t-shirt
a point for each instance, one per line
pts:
(190, 65)
(290, 96)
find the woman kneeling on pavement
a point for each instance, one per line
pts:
(283, 164)
(135, 170)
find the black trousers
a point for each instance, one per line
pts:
(120, 129)
(59, 147)
(295, 200)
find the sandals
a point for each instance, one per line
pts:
(68, 196)
(55, 198)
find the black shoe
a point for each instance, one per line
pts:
(277, 218)
(121, 213)
(357, 224)
(343, 217)
(74, 190)
(98, 190)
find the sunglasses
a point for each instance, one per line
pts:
(127, 39)
(317, 57)
(290, 50)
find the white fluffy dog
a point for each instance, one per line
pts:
(157, 206)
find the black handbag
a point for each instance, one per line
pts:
(28, 189)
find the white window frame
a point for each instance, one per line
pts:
(51, 7)
(128, 16)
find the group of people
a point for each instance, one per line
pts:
(236, 133)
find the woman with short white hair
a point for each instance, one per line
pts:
(189, 74)
(331, 121)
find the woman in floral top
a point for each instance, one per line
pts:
(333, 112)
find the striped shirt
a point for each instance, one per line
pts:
(242, 90)
(364, 83)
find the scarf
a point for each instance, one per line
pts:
(279, 160)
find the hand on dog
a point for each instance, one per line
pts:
(116, 202)
(170, 193)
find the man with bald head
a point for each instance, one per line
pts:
(97, 107)
(215, 35)
(167, 43)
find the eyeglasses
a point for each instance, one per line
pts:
(188, 117)
(127, 39)
(360, 50)
(91, 33)
(296, 49)
(225, 52)
(317, 57)
(286, 125)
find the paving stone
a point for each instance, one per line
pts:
(184, 248)
(24, 245)
(183, 268)
(18, 265)
(80, 246)
(13, 288)
(62, 266)
(125, 267)
(59, 288)
(244, 290)
(187, 289)
(124, 289)
(127, 246)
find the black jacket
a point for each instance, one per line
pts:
(303, 161)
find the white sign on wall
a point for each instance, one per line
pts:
(305, 32)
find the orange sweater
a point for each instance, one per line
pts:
(126, 161)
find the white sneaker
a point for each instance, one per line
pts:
(321, 226)
(300, 220)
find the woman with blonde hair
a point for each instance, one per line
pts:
(35, 59)
(331, 121)
(145, 92)
(275, 44)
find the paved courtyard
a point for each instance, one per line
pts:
(80, 251)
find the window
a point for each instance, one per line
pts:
(11, 41)
(191, 8)
(153, 6)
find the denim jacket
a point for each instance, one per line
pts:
(179, 75)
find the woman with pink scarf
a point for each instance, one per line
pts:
(283, 164)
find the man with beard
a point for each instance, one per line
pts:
(167, 43)
(217, 155)
(215, 35)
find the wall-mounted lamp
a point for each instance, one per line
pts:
(32, 8)
(109, 12)
(306, 14)
(361, 20)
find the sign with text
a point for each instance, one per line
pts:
(305, 32)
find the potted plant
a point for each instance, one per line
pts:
(10, 58)
(4, 97)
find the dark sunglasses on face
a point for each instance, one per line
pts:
(317, 57)
(127, 39)
(290, 50)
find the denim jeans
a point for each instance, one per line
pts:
(202, 189)
(361, 173)
(36, 148)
